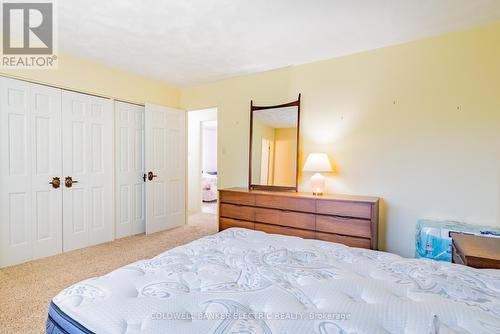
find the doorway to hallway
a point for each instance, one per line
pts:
(202, 161)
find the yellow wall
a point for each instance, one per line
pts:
(417, 124)
(285, 144)
(90, 77)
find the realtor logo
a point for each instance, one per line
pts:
(28, 34)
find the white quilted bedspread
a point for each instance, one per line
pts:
(242, 281)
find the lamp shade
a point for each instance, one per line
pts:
(317, 162)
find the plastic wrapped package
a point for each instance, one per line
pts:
(433, 241)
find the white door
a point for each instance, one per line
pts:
(264, 162)
(165, 165)
(129, 169)
(47, 165)
(30, 157)
(87, 133)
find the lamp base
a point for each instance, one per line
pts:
(317, 184)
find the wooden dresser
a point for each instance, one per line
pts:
(350, 220)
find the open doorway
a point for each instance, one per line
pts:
(202, 161)
(209, 167)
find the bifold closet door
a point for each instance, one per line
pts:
(166, 168)
(129, 168)
(87, 141)
(30, 159)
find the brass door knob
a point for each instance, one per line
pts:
(151, 176)
(69, 181)
(56, 182)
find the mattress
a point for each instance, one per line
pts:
(244, 281)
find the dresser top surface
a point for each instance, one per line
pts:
(477, 246)
(338, 197)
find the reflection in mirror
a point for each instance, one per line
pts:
(274, 147)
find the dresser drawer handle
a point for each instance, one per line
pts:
(342, 218)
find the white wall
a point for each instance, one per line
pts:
(195, 119)
(209, 148)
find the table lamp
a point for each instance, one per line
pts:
(317, 163)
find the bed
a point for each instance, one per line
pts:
(245, 281)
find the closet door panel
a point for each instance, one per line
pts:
(129, 125)
(15, 172)
(87, 159)
(30, 156)
(47, 164)
(75, 140)
(165, 158)
(156, 201)
(101, 170)
(176, 166)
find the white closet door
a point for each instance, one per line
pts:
(129, 167)
(47, 164)
(165, 161)
(15, 159)
(87, 129)
(30, 156)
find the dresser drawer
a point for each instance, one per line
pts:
(235, 197)
(286, 203)
(237, 211)
(346, 226)
(225, 223)
(341, 239)
(300, 220)
(284, 230)
(344, 208)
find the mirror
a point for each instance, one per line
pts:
(274, 143)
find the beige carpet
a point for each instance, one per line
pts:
(26, 289)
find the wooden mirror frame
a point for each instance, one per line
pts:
(265, 187)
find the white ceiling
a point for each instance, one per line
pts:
(278, 118)
(185, 42)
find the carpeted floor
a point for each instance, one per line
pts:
(26, 289)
